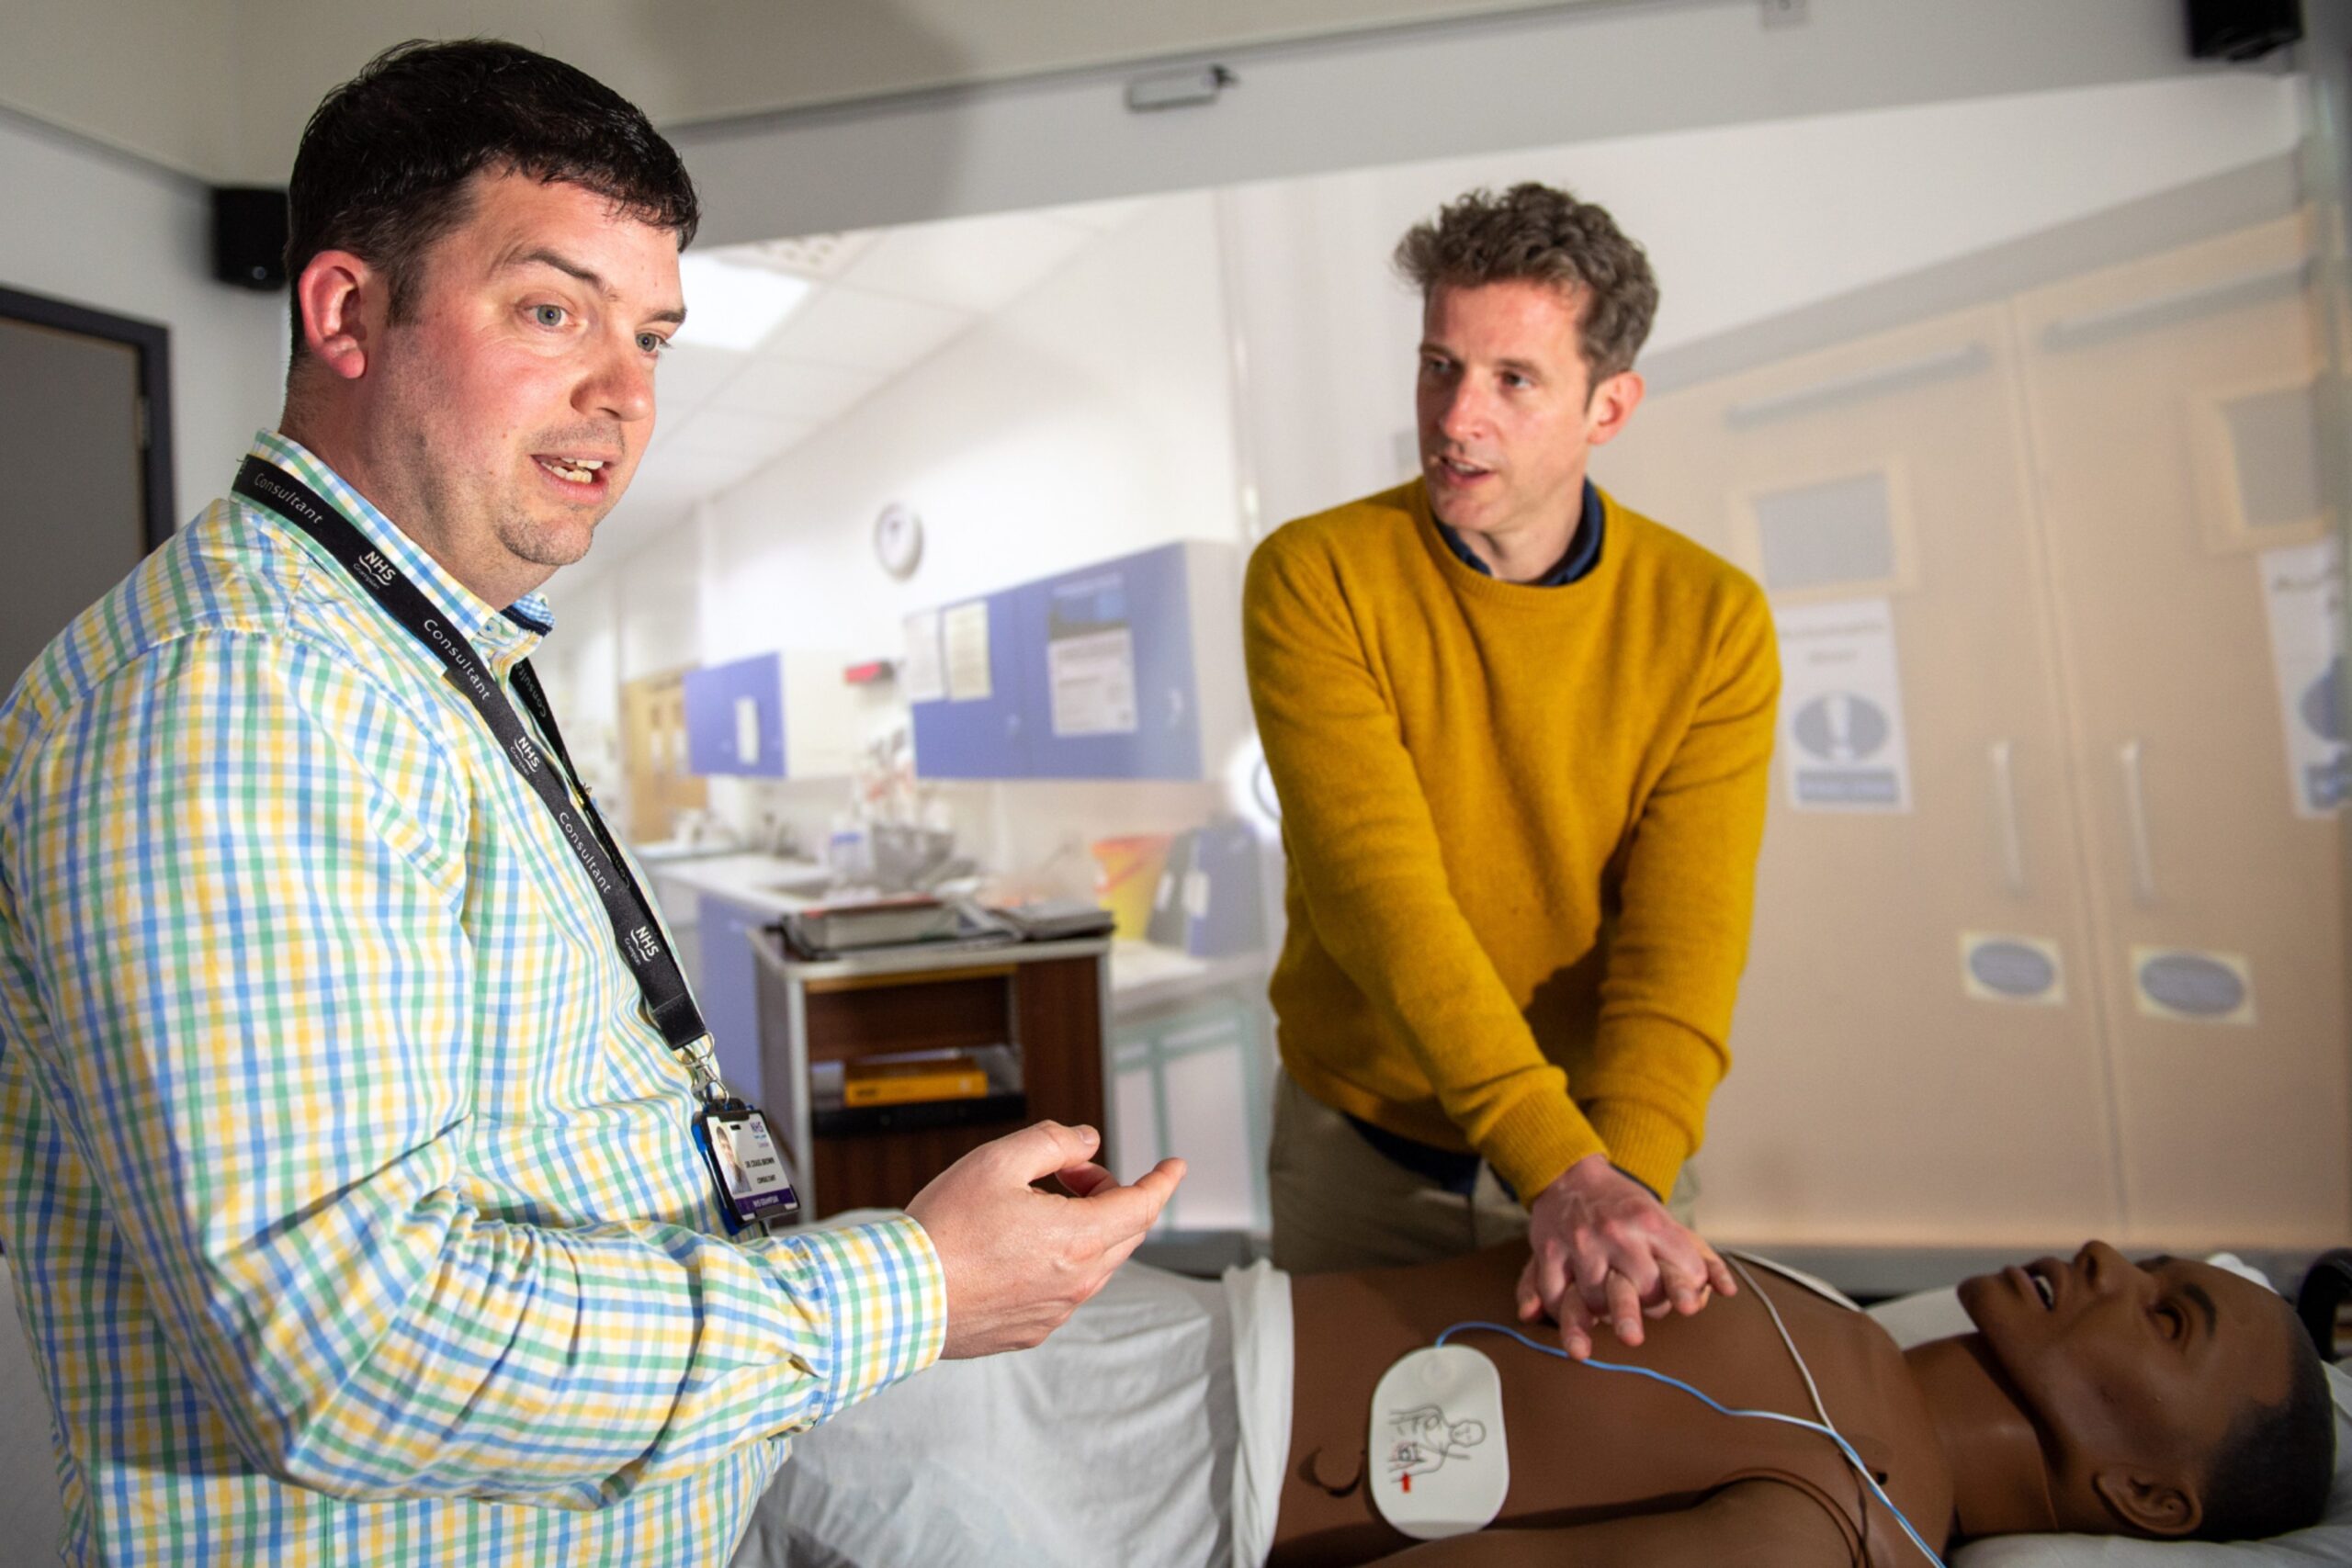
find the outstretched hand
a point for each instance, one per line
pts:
(1605, 1251)
(1019, 1261)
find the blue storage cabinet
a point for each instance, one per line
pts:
(735, 717)
(728, 992)
(1129, 669)
(1110, 690)
(983, 737)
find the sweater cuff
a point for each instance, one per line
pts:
(1644, 1142)
(1537, 1139)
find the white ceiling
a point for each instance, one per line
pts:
(884, 300)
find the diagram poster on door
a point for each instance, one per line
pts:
(2303, 584)
(1841, 708)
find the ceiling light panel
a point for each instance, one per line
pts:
(734, 305)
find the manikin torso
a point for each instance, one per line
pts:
(1587, 1444)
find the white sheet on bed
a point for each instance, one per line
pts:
(1113, 1442)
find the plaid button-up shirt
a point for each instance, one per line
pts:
(349, 1189)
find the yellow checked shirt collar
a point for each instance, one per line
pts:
(503, 637)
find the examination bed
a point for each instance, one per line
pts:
(1149, 1430)
(1122, 1439)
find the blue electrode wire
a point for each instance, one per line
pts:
(1821, 1426)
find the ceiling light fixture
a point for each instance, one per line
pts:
(734, 306)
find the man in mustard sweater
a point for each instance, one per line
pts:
(1519, 736)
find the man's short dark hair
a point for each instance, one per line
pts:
(384, 163)
(2272, 1472)
(1536, 234)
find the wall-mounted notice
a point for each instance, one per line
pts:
(2193, 987)
(1091, 657)
(963, 631)
(1841, 709)
(2303, 587)
(747, 730)
(1997, 967)
(923, 675)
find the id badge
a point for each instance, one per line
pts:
(746, 1161)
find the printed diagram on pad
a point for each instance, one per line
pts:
(1424, 1440)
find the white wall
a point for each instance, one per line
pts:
(1743, 223)
(102, 231)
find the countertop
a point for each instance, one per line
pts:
(768, 881)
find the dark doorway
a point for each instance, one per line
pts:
(86, 437)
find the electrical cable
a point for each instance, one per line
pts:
(1823, 1425)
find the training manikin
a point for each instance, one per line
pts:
(2135, 1374)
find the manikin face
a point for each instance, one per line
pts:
(2132, 1372)
(1507, 412)
(510, 410)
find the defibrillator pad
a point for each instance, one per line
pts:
(1439, 1464)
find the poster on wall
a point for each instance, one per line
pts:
(1091, 657)
(923, 676)
(2302, 586)
(1841, 709)
(965, 632)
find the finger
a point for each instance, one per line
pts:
(1719, 1275)
(1531, 1300)
(1551, 1278)
(1124, 1213)
(1044, 1148)
(1083, 1180)
(1625, 1309)
(1576, 1328)
(1686, 1286)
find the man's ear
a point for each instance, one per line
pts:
(344, 303)
(1611, 405)
(2148, 1505)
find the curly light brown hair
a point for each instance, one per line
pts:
(1534, 233)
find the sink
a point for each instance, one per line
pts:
(800, 887)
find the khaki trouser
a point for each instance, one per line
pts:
(1338, 1202)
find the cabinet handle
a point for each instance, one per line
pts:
(2135, 822)
(2004, 813)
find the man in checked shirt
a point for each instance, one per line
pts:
(347, 1180)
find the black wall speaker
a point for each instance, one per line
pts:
(2243, 29)
(249, 236)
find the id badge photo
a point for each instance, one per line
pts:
(746, 1161)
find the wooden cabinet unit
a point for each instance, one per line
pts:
(1032, 1014)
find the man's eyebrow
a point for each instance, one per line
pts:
(543, 256)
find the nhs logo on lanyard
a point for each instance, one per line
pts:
(527, 756)
(642, 945)
(378, 568)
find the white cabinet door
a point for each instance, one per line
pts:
(2171, 417)
(1880, 1092)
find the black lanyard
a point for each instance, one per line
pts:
(635, 930)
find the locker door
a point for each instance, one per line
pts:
(978, 730)
(2171, 412)
(1889, 1083)
(1108, 692)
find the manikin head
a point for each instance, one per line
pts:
(484, 244)
(2169, 1399)
(1534, 307)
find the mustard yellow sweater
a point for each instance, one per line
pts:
(1521, 824)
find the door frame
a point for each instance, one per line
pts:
(152, 342)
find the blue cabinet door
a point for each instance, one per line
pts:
(735, 717)
(1108, 687)
(983, 737)
(728, 995)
